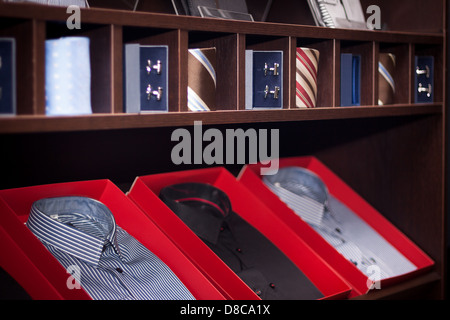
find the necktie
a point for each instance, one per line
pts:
(386, 85)
(202, 79)
(307, 63)
(67, 76)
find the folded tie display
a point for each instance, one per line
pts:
(67, 76)
(306, 194)
(307, 63)
(386, 84)
(202, 79)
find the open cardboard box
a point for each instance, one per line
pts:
(145, 191)
(251, 177)
(25, 258)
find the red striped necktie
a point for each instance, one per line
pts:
(307, 63)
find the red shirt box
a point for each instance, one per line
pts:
(145, 191)
(43, 277)
(250, 176)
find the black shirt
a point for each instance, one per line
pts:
(207, 211)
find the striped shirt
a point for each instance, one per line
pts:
(307, 195)
(107, 262)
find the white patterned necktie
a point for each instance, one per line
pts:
(67, 76)
(307, 64)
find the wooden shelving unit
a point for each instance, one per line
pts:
(394, 156)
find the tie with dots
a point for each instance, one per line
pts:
(386, 84)
(202, 79)
(67, 76)
(307, 64)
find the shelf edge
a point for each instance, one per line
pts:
(36, 124)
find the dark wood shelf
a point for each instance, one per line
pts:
(30, 124)
(405, 290)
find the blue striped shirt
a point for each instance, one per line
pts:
(107, 262)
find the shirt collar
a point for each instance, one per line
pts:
(202, 207)
(79, 226)
(302, 190)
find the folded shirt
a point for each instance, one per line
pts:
(307, 195)
(207, 211)
(82, 235)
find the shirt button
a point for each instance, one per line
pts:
(258, 292)
(272, 285)
(119, 270)
(239, 250)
